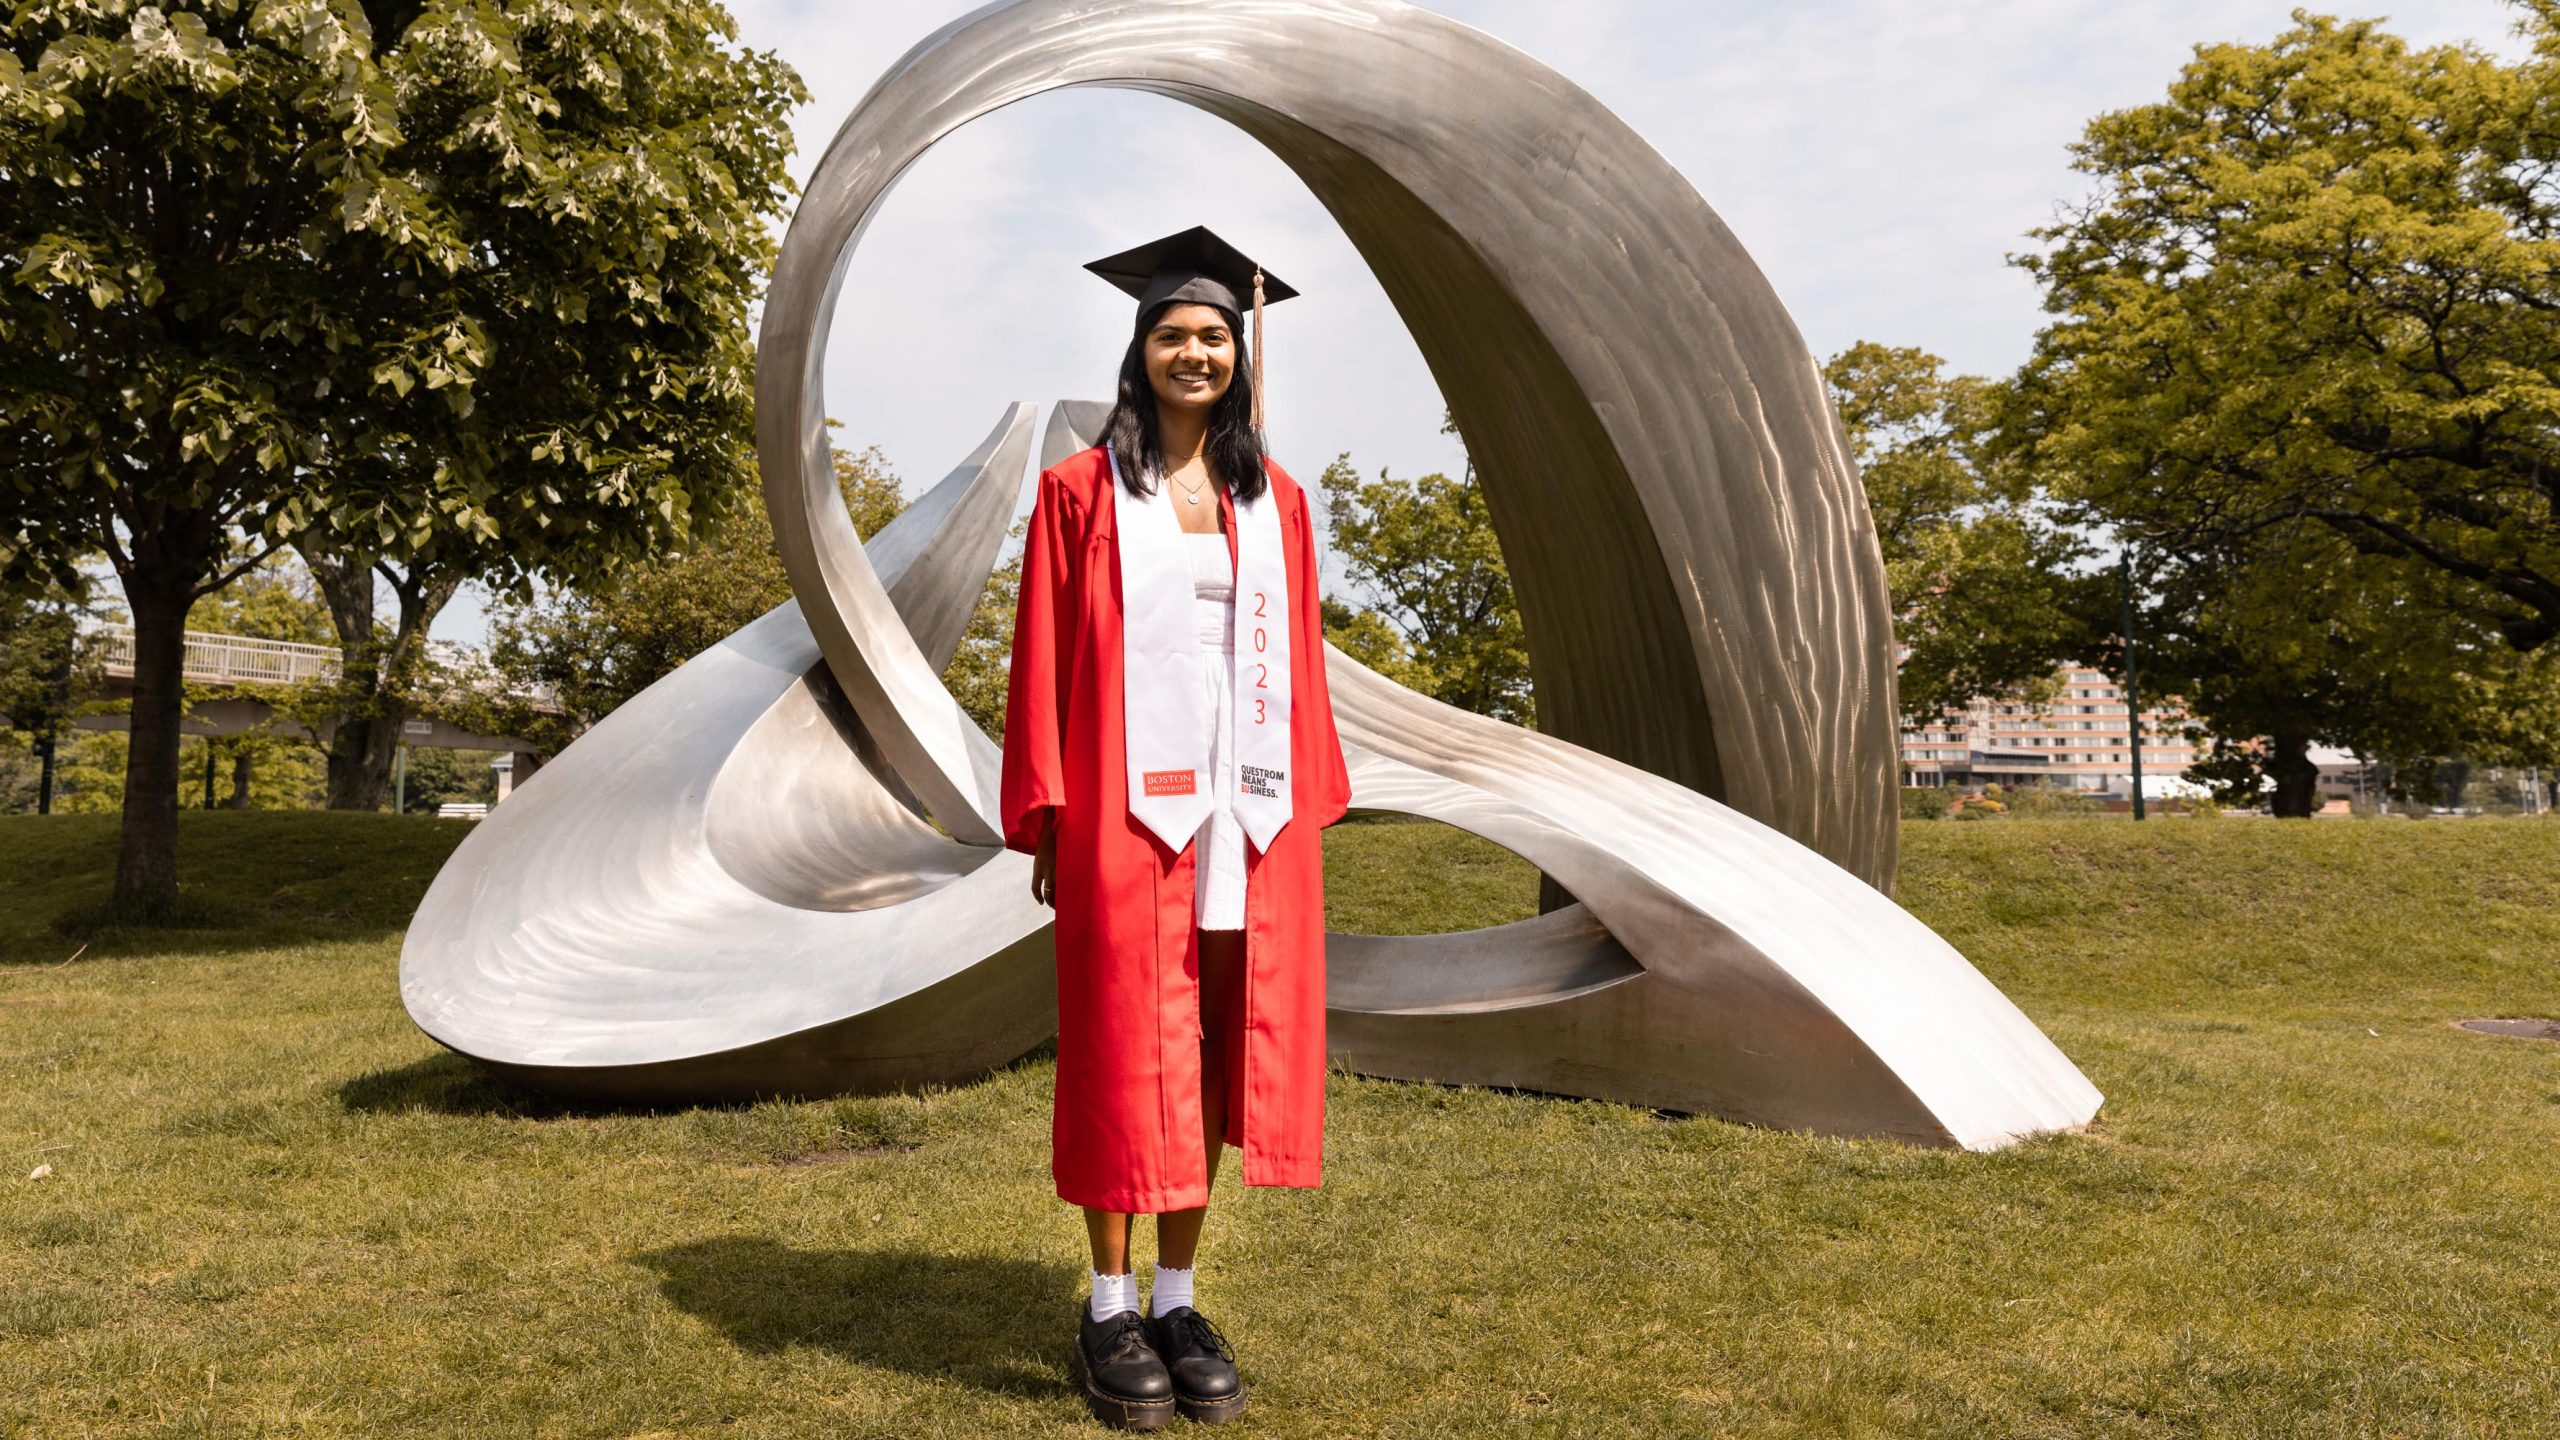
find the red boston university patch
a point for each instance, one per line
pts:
(1170, 782)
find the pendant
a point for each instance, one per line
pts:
(1195, 499)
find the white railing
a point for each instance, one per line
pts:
(213, 659)
(228, 659)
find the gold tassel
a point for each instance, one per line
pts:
(1257, 349)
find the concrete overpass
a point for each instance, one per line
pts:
(245, 664)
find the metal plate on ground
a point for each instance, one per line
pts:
(2521, 1029)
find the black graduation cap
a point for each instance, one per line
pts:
(1194, 265)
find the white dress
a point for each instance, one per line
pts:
(1218, 859)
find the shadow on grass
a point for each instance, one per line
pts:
(252, 880)
(993, 1322)
(447, 1084)
(83, 931)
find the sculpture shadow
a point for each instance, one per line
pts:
(447, 1084)
(993, 1322)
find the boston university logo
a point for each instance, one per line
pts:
(1170, 782)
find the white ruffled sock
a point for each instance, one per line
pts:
(1112, 1294)
(1172, 1289)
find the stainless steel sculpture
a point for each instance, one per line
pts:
(729, 888)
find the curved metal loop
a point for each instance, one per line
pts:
(1713, 773)
(1693, 557)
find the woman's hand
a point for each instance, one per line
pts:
(1044, 862)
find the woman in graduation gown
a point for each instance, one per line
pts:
(1173, 790)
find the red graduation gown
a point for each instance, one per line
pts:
(1125, 1129)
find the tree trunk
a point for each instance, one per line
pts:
(2452, 778)
(375, 671)
(241, 765)
(2297, 778)
(147, 847)
(347, 586)
(360, 754)
(44, 778)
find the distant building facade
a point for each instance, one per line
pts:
(2078, 740)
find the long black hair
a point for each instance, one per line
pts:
(1232, 445)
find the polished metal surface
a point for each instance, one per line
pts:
(733, 892)
(719, 891)
(1709, 963)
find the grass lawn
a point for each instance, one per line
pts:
(2310, 1208)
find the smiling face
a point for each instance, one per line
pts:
(1191, 357)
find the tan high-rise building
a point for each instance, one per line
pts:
(2078, 739)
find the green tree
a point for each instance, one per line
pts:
(1365, 636)
(279, 600)
(2303, 365)
(438, 776)
(1440, 619)
(1989, 592)
(21, 771)
(424, 290)
(977, 674)
(44, 667)
(2292, 638)
(596, 647)
(90, 773)
(271, 765)
(577, 404)
(287, 776)
(279, 764)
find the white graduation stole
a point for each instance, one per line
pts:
(1164, 710)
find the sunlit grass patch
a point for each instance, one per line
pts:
(2311, 1206)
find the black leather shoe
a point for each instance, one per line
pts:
(1205, 1384)
(1124, 1379)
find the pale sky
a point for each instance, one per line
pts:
(1879, 158)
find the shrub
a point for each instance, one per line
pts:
(2051, 800)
